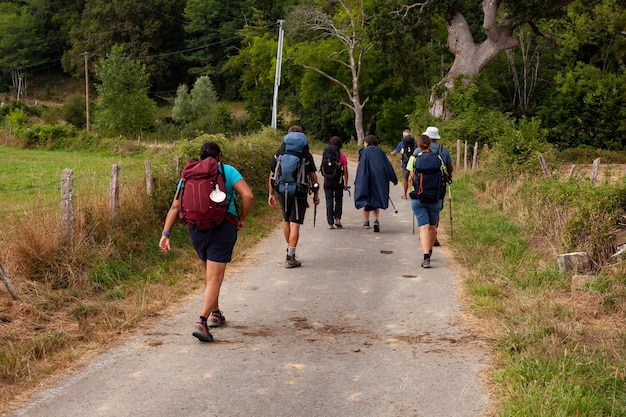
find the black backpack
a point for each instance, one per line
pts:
(331, 168)
(428, 182)
(408, 147)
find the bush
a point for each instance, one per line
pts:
(74, 110)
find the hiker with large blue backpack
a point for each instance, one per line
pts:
(334, 169)
(293, 177)
(427, 176)
(433, 133)
(205, 201)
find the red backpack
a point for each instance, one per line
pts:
(203, 202)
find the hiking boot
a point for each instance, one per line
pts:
(366, 225)
(216, 319)
(338, 224)
(436, 243)
(426, 263)
(331, 226)
(376, 226)
(201, 331)
(292, 262)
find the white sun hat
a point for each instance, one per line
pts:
(432, 132)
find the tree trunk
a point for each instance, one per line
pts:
(469, 57)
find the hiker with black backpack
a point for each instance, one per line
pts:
(334, 169)
(426, 174)
(205, 201)
(433, 133)
(405, 148)
(293, 176)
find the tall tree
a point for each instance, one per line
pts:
(500, 18)
(124, 106)
(335, 33)
(22, 41)
(148, 30)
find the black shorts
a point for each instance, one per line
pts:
(295, 209)
(405, 173)
(216, 244)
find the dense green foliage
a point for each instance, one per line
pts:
(570, 80)
(124, 106)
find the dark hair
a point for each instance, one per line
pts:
(295, 128)
(211, 149)
(423, 139)
(335, 140)
(371, 140)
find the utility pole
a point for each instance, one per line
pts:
(19, 88)
(87, 124)
(279, 59)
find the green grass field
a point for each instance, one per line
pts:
(34, 176)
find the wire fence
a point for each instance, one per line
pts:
(70, 192)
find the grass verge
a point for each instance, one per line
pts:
(560, 352)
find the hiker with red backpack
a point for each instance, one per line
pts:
(205, 201)
(334, 169)
(426, 174)
(292, 177)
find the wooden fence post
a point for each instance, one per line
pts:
(571, 171)
(475, 156)
(67, 205)
(458, 154)
(594, 171)
(114, 193)
(7, 283)
(465, 157)
(544, 165)
(177, 164)
(148, 178)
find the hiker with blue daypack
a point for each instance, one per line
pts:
(433, 134)
(426, 174)
(292, 176)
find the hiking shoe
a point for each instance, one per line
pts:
(426, 263)
(376, 226)
(436, 243)
(331, 226)
(292, 262)
(201, 331)
(338, 224)
(216, 319)
(366, 225)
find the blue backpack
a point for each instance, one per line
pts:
(290, 176)
(428, 181)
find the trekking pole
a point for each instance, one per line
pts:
(316, 188)
(450, 204)
(394, 206)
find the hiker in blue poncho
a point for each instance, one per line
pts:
(371, 185)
